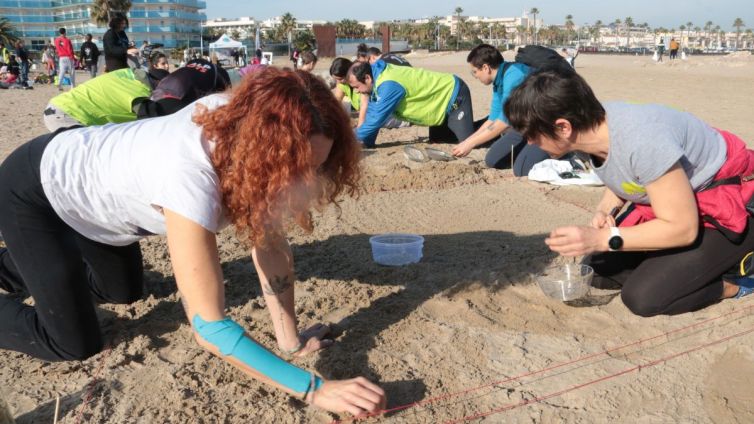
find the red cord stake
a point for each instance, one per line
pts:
(446, 396)
(92, 383)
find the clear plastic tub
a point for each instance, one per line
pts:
(565, 282)
(396, 249)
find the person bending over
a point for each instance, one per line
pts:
(374, 54)
(487, 65)
(339, 73)
(436, 100)
(252, 157)
(688, 183)
(110, 97)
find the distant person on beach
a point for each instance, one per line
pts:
(64, 49)
(436, 100)
(685, 241)
(115, 43)
(90, 55)
(674, 46)
(22, 56)
(660, 49)
(362, 53)
(308, 61)
(487, 66)
(374, 54)
(72, 231)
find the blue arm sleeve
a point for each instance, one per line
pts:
(514, 76)
(389, 94)
(231, 340)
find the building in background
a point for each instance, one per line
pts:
(172, 23)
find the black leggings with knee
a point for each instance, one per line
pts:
(524, 155)
(63, 271)
(672, 281)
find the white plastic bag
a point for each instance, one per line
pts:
(655, 56)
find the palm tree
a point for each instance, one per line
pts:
(569, 26)
(617, 24)
(534, 11)
(628, 23)
(286, 28)
(597, 33)
(458, 12)
(7, 32)
(103, 9)
(738, 23)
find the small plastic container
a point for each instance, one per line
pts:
(565, 282)
(396, 249)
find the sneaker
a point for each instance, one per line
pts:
(742, 275)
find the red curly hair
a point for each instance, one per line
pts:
(263, 155)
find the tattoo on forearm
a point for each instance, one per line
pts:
(490, 127)
(277, 285)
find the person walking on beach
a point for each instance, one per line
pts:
(487, 66)
(685, 241)
(64, 50)
(23, 60)
(115, 43)
(90, 55)
(436, 100)
(72, 232)
(674, 46)
(660, 49)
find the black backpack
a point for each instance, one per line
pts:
(543, 59)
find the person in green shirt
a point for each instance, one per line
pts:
(110, 97)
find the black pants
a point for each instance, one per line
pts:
(672, 281)
(459, 122)
(524, 155)
(63, 271)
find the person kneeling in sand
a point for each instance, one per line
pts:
(672, 251)
(436, 100)
(253, 157)
(487, 65)
(125, 95)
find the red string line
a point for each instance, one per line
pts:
(599, 380)
(90, 387)
(531, 373)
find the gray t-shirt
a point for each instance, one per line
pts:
(647, 140)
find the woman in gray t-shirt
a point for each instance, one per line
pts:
(687, 221)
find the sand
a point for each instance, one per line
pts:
(468, 314)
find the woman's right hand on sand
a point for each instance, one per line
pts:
(357, 396)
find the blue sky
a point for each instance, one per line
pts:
(667, 13)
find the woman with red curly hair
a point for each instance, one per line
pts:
(75, 204)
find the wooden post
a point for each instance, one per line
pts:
(385, 31)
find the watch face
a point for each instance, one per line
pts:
(615, 242)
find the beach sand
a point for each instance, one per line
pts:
(468, 315)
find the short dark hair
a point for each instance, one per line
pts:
(361, 50)
(547, 96)
(88, 35)
(156, 57)
(308, 57)
(340, 66)
(485, 54)
(374, 51)
(61, 31)
(360, 70)
(116, 20)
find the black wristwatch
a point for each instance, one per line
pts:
(616, 241)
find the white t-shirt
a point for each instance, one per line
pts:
(110, 182)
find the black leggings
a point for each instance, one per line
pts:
(459, 123)
(672, 281)
(62, 270)
(525, 155)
